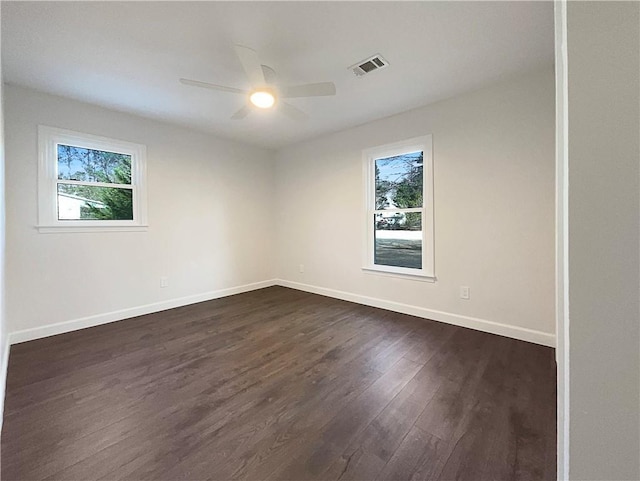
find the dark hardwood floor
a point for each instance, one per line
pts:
(279, 384)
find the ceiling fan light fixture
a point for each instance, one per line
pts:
(262, 99)
(264, 94)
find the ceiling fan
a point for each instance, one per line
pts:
(263, 93)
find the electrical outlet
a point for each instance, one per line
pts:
(464, 292)
(164, 281)
(301, 268)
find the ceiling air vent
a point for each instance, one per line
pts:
(369, 65)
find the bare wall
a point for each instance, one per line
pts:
(603, 48)
(494, 210)
(4, 342)
(210, 207)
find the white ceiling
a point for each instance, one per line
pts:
(129, 55)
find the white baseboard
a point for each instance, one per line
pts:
(96, 320)
(529, 335)
(515, 332)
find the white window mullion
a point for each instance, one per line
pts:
(387, 211)
(95, 184)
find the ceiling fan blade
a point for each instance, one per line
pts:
(308, 90)
(251, 65)
(206, 85)
(270, 76)
(242, 113)
(292, 112)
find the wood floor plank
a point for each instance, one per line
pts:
(318, 406)
(382, 437)
(153, 372)
(419, 457)
(357, 465)
(311, 463)
(210, 405)
(278, 384)
(249, 400)
(497, 438)
(315, 387)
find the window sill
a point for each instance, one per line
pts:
(59, 229)
(399, 275)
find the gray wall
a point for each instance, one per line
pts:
(604, 207)
(4, 344)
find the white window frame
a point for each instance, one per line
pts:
(48, 140)
(416, 144)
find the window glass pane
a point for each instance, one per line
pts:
(88, 165)
(398, 239)
(85, 202)
(399, 181)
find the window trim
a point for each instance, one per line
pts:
(48, 140)
(424, 144)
